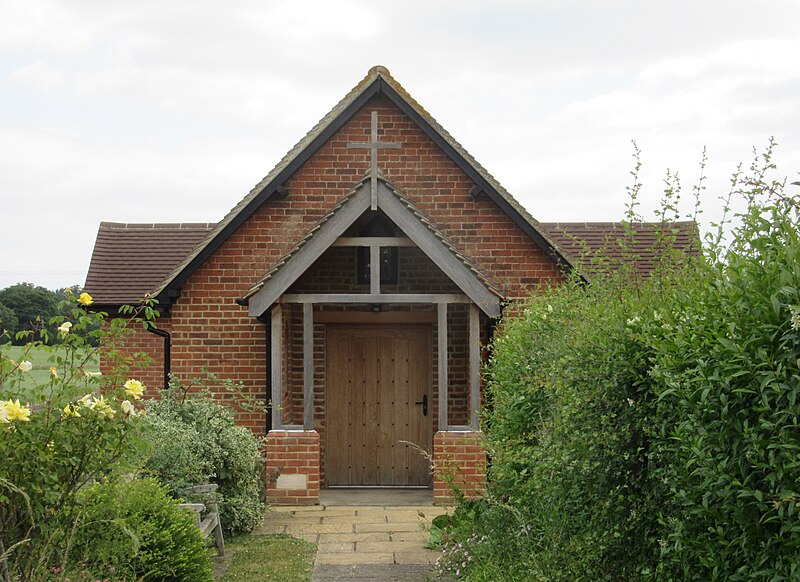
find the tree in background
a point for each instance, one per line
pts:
(8, 320)
(26, 306)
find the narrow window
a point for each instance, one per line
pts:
(378, 226)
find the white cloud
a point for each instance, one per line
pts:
(40, 74)
(172, 110)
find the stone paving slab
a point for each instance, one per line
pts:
(388, 527)
(364, 572)
(353, 558)
(328, 538)
(361, 542)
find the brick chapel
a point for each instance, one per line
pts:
(352, 291)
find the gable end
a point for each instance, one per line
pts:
(378, 81)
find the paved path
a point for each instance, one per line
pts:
(361, 542)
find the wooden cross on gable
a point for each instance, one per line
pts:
(374, 145)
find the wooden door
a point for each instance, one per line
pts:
(376, 376)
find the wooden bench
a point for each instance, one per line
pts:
(210, 523)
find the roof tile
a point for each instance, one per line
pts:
(130, 260)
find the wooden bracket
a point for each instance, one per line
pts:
(477, 192)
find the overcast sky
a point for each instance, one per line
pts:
(171, 110)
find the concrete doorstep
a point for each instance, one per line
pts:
(364, 542)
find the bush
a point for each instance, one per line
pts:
(570, 496)
(135, 531)
(728, 375)
(649, 430)
(196, 441)
(58, 435)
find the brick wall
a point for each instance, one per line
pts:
(139, 340)
(210, 331)
(459, 462)
(293, 467)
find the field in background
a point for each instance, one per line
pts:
(40, 374)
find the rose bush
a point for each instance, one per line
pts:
(61, 435)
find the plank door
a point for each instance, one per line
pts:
(376, 376)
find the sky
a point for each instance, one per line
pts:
(172, 110)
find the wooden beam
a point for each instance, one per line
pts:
(308, 366)
(476, 192)
(438, 253)
(369, 241)
(381, 317)
(474, 367)
(374, 298)
(310, 252)
(441, 335)
(374, 270)
(275, 364)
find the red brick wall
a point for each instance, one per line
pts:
(460, 463)
(210, 331)
(293, 454)
(139, 340)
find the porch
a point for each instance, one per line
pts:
(375, 333)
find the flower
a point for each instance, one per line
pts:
(72, 410)
(64, 327)
(3, 413)
(15, 411)
(127, 407)
(53, 373)
(85, 299)
(795, 318)
(87, 400)
(134, 389)
(633, 320)
(24, 366)
(100, 406)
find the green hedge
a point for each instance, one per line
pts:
(650, 429)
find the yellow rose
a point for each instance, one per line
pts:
(25, 366)
(127, 407)
(85, 299)
(53, 373)
(64, 328)
(100, 406)
(3, 413)
(134, 389)
(71, 410)
(15, 411)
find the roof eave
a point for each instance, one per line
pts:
(265, 190)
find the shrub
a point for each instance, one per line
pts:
(59, 435)
(650, 429)
(569, 492)
(136, 531)
(196, 441)
(728, 376)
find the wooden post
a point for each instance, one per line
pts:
(474, 367)
(441, 333)
(374, 269)
(308, 366)
(277, 353)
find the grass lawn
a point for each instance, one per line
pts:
(40, 374)
(269, 558)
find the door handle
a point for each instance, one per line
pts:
(424, 403)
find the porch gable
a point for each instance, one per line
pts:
(420, 231)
